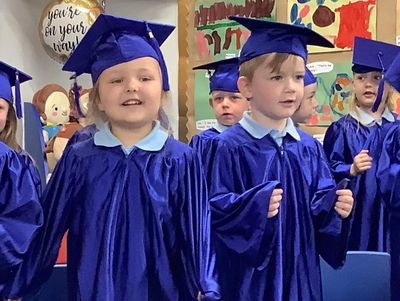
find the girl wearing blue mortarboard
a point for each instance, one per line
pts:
(20, 209)
(225, 99)
(353, 143)
(132, 198)
(388, 177)
(275, 206)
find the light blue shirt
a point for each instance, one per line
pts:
(220, 127)
(367, 119)
(258, 131)
(154, 141)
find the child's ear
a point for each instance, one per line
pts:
(210, 102)
(244, 85)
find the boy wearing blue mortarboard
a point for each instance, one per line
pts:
(225, 99)
(275, 207)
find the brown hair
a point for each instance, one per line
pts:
(9, 134)
(248, 68)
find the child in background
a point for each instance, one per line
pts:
(226, 101)
(388, 178)
(275, 207)
(20, 209)
(132, 198)
(353, 143)
(10, 77)
(309, 103)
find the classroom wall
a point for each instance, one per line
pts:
(20, 44)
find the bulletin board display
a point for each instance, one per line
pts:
(205, 34)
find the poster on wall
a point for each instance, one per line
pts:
(334, 91)
(398, 22)
(337, 20)
(217, 37)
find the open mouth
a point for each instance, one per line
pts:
(288, 102)
(132, 102)
(369, 94)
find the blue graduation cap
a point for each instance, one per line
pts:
(309, 78)
(225, 76)
(370, 55)
(392, 75)
(12, 77)
(269, 37)
(114, 40)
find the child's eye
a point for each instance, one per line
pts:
(378, 77)
(235, 98)
(145, 78)
(218, 99)
(277, 77)
(116, 81)
(299, 77)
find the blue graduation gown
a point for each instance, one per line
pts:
(388, 177)
(344, 139)
(20, 210)
(138, 226)
(83, 134)
(276, 258)
(202, 142)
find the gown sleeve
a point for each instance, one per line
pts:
(332, 232)
(198, 254)
(39, 261)
(388, 171)
(20, 212)
(239, 213)
(335, 147)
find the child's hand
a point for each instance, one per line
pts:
(344, 203)
(275, 202)
(361, 163)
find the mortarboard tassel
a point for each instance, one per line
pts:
(381, 86)
(75, 89)
(18, 96)
(154, 44)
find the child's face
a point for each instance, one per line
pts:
(307, 105)
(275, 94)
(366, 88)
(4, 105)
(130, 93)
(228, 106)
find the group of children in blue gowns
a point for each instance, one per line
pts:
(243, 214)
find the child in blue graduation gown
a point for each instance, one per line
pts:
(352, 144)
(132, 198)
(388, 178)
(309, 103)
(225, 99)
(12, 77)
(20, 211)
(275, 207)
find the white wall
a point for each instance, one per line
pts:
(20, 45)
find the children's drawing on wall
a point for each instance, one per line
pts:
(334, 91)
(337, 20)
(217, 37)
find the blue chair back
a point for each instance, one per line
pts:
(364, 277)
